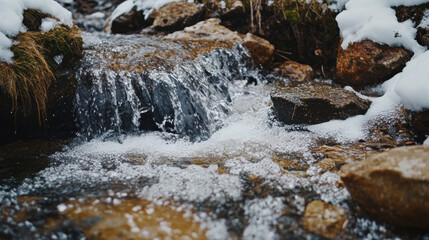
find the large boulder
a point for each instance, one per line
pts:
(311, 103)
(324, 219)
(177, 15)
(211, 30)
(393, 185)
(295, 71)
(368, 63)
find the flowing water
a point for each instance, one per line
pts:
(177, 141)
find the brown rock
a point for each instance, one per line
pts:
(211, 30)
(296, 71)
(420, 122)
(327, 164)
(260, 49)
(368, 63)
(131, 22)
(393, 185)
(312, 103)
(177, 15)
(324, 219)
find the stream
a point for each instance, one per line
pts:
(176, 141)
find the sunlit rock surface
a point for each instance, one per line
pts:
(367, 63)
(393, 185)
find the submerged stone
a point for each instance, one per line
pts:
(149, 83)
(312, 103)
(324, 219)
(394, 185)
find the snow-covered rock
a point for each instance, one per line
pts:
(13, 11)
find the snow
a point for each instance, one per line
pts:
(413, 83)
(48, 24)
(376, 20)
(13, 11)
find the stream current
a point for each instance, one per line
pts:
(175, 147)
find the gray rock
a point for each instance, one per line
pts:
(312, 103)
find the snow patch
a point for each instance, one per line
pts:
(376, 20)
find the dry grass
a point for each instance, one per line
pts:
(26, 81)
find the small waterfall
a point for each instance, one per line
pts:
(189, 97)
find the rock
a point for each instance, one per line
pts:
(393, 185)
(312, 103)
(420, 122)
(324, 219)
(177, 15)
(236, 9)
(260, 49)
(131, 22)
(296, 71)
(86, 6)
(211, 30)
(368, 63)
(327, 164)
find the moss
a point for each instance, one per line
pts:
(26, 81)
(33, 19)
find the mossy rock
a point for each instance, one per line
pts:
(25, 83)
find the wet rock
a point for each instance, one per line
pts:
(130, 22)
(324, 219)
(131, 219)
(177, 15)
(327, 164)
(211, 30)
(315, 103)
(393, 185)
(420, 122)
(368, 63)
(295, 71)
(260, 49)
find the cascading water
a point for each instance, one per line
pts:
(190, 98)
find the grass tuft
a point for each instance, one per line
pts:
(26, 81)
